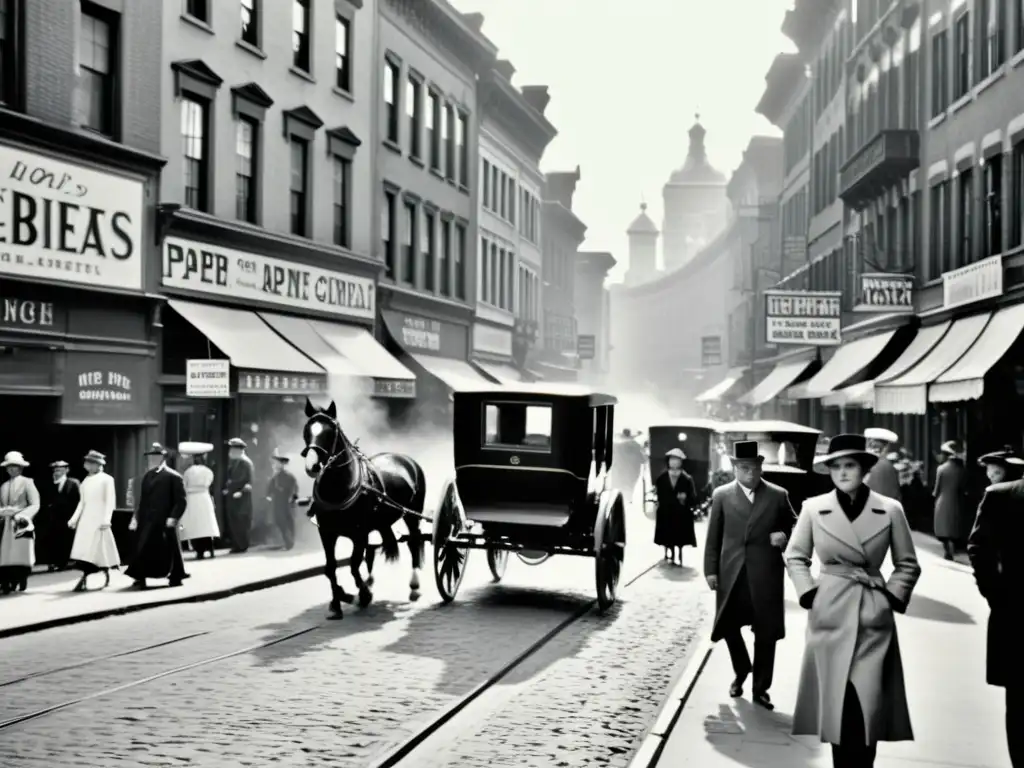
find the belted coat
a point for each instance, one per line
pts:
(851, 628)
(18, 498)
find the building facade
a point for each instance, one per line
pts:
(593, 315)
(429, 59)
(513, 137)
(80, 142)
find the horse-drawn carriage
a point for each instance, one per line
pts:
(698, 440)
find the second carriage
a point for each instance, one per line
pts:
(698, 439)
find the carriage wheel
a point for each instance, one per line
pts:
(497, 561)
(449, 560)
(608, 563)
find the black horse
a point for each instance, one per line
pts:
(354, 495)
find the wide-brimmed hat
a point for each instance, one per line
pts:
(59, 465)
(881, 433)
(675, 453)
(745, 450)
(156, 450)
(952, 447)
(1004, 458)
(846, 447)
(237, 442)
(14, 459)
(192, 448)
(96, 458)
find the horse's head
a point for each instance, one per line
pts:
(322, 436)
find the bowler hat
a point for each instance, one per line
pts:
(237, 442)
(156, 450)
(675, 453)
(880, 433)
(96, 458)
(279, 456)
(846, 447)
(1004, 458)
(59, 465)
(746, 450)
(14, 459)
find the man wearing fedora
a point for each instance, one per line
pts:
(19, 503)
(55, 538)
(950, 494)
(748, 528)
(994, 550)
(282, 493)
(160, 506)
(238, 495)
(884, 478)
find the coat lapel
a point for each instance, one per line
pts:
(872, 521)
(837, 525)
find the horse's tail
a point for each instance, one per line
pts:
(419, 498)
(389, 544)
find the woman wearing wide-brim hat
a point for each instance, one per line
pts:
(94, 549)
(950, 494)
(852, 693)
(1002, 466)
(674, 528)
(19, 503)
(199, 523)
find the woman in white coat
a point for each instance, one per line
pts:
(852, 693)
(94, 549)
(19, 502)
(199, 523)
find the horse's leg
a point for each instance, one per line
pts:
(371, 556)
(338, 595)
(358, 553)
(412, 522)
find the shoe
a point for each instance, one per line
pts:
(764, 700)
(23, 585)
(139, 584)
(174, 583)
(736, 689)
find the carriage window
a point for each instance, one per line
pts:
(517, 425)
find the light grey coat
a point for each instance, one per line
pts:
(18, 498)
(851, 629)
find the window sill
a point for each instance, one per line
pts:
(1017, 59)
(452, 183)
(464, 188)
(302, 73)
(437, 173)
(248, 47)
(989, 81)
(392, 146)
(347, 95)
(960, 103)
(936, 121)
(198, 23)
(417, 161)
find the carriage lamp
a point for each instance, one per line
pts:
(682, 437)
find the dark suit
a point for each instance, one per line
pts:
(283, 492)
(884, 479)
(238, 512)
(994, 549)
(751, 574)
(158, 550)
(55, 538)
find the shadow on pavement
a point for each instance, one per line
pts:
(671, 572)
(922, 607)
(758, 727)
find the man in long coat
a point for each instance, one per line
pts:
(238, 495)
(994, 549)
(748, 528)
(55, 538)
(282, 493)
(161, 504)
(883, 478)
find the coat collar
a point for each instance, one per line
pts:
(756, 508)
(871, 522)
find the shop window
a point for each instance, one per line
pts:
(97, 65)
(517, 426)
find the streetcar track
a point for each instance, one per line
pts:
(98, 659)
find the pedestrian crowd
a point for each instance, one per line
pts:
(71, 522)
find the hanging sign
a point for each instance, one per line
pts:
(208, 378)
(884, 292)
(805, 318)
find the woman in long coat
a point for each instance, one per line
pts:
(19, 502)
(852, 694)
(199, 523)
(950, 496)
(94, 549)
(673, 527)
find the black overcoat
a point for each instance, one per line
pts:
(674, 524)
(739, 545)
(54, 538)
(994, 548)
(158, 549)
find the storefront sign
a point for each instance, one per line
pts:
(32, 315)
(975, 282)
(208, 378)
(246, 277)
(495, 341)
(586, 346)
(394, 388)
(804, 317)
(62, 221)
(252, 383)
(102, 388)
(883, 292)
(421, 333)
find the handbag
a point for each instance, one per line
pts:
(24, 529)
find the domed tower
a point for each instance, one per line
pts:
(643, 248)
(696, 204)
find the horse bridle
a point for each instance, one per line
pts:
(341, 442)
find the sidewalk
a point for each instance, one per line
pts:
(958, 719)
(49, 601)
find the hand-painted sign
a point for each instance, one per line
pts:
(102, 388)
(586, 346)
(280, 384)
(804, 317)
(208, 378)
(248, 277)
(884, 292)
(394, 388)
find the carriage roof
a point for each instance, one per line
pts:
(768, 426)
(540, 391)
(709, 425)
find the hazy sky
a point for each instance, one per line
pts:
(626, 80)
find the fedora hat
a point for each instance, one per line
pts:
(745, 450)
(96, 458)
(675, 453)
(843, 447)
(192, 448)
(880, 433)
(237, 442)
(952, 447)
(14, 459)
(156, 450)
(59, 465)
(279, 456)
(1004, 458)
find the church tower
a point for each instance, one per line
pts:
(643, 249)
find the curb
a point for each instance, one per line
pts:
(649, 754)
(203, 597)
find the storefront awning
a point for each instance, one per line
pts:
(863, 394)
(300, 332)
(782, 376)
(248, 342)
(966, 379)
(849, 360)
(503, 374)
(909, 393)
(722, 388)
(456, 374)
(369, 358)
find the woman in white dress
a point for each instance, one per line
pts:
(199, 523)
(94, 549)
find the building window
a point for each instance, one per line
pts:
(392, 77)
(511, 213)
(94, 91)
(710, 351)
(342, 62)
(965, 218)
(1017, 196)
(388, 224)
(342, 174)
(446, 258)
(962, 63)
(408, 237)
(300, 35)
(300, 186)
(246, 131)
(939, 218)
(992, 28)
(461, 141)
(993, 175)
(196, 153)
(449, 142)
(414, 109)
(9, 53)
(940, 72)
(250, 22)
(460, 261)
(485, 270)
(1020, 27)
(502, 293)
(429, 249)
(485, 183)
(433, 130)
(198, 9)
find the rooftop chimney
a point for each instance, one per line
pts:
(536, 96)
(504, 68)
(474, 20)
